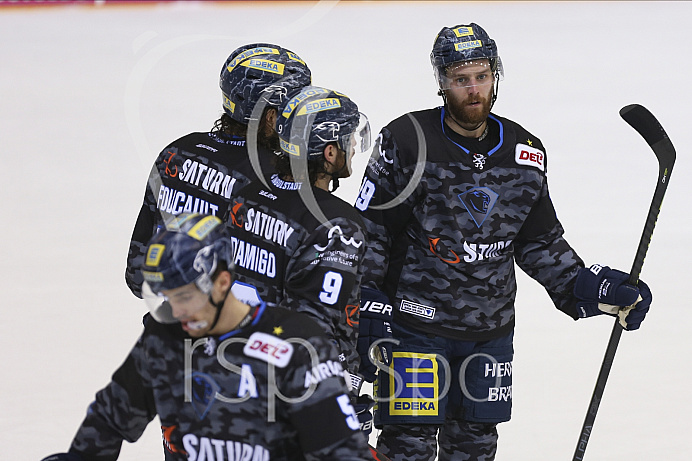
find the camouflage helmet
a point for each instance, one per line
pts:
(260, 72)
(187, 251)
(464, 43)
(313, 117)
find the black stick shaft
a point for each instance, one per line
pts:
(649, 128)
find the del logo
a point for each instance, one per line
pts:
(530, 156)
(417, 392)
(269, 349)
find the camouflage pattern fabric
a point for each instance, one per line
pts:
(445, 227)
(198, 173)
(298, 261)
(458, 441)
(227, 397)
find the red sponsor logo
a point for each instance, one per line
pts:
(530, 156)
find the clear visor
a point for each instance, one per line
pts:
(176, 304)
(361, 139)
(464, 74)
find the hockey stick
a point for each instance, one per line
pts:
(651, 130)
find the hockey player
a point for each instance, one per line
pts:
(228, 380)
(451, 199)
(201, 172)
(297, 244)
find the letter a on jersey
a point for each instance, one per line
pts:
(479, 201)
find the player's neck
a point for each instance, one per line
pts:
(232, 313)
(466, 131)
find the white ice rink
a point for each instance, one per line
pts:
(90, 94)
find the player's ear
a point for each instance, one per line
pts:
(270, 117)
(223, 281)
(330, 154)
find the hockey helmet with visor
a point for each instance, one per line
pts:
(188, 252)
(260, 73)
(314, 117)
(458, 47)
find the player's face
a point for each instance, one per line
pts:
(469, 92)
(192, 308)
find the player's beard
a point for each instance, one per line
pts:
(469, 117)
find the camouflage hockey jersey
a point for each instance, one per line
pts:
(445, 226)
(300, 260)
(270, 391)
(198, 173)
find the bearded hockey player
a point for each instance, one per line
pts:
(295, 243)
(452, 198)
(201, 172)
(228, 381)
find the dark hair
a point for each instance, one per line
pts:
(316, 166)
(266, 135)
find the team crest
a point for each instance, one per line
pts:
(479, 201)
(479, 160)
(204, 390)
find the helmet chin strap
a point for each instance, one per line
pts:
(218, 307)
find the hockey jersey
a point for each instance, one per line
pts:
(198, 173)
(445, 226)
(272, 390)
(302, 248)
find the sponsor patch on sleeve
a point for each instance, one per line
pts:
(269, 349)
(529, 156)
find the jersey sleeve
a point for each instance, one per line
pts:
(543, 253)
(322, 279)
(386, 199)
(147, 222)
(120, 411)
(319, 406)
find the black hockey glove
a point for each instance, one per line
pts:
(375, 315)
(602, 290)
(64, 457)
(362, 404)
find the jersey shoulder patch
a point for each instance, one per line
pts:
(529, 156)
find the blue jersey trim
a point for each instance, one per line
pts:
(256, 318)
(492, 151)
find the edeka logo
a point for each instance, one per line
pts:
(247, 53)
(319, 105)
(479, 202)
(418, 390)
(529, 156)
(268, 348)
(264, 65)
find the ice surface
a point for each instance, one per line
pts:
(90, 95)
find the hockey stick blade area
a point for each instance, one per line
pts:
(639, 118)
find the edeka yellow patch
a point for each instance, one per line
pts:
(152, 276)
(203, 227)
(154, 254)
(293, 103)
(463, 31)
(264, 65)
(418, 391)
(292, 149)
(228, 104)
(251, 52)
(319, 105)
(468, 45)
(295, 57)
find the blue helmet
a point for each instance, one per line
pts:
(313, 117)
(463, 43)
(260, 72)
(187, 251)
